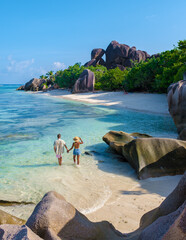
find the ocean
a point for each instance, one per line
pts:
(29, 124)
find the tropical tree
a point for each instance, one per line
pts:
(43, 77)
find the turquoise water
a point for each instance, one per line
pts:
(29, 124)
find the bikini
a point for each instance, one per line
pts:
(76, 151)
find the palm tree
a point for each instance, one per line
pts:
(43, 77)
(51, 76)
(50, 73)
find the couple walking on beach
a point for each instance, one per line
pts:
(59, 145)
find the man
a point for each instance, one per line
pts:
(59, 145)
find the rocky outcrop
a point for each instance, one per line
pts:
(35, 84)
(96, 58)
(55, 218)
(150, 157)
(6, 218)
(178, 229)
(97, 53)
(177, 106)
(21, 87)
(117, 139)
(161, 226)
(92, 62)
(165, 219)
(117, 55)
(15, 232)
(85, 82)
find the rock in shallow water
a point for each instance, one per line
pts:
(150, 157)
(34, 84)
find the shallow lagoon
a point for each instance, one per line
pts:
(29, 124)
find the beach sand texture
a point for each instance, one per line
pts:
(146, 102)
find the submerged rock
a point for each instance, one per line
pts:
(6, 218)
(55, 218)
(150, 157)
(177, 106)
(85, 82)
(15, 232)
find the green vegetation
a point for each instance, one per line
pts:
(156, 74)
(66, 78)
(153, 75)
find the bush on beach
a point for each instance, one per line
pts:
(156, 74)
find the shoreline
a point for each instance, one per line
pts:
(143, 102)
(129, 198)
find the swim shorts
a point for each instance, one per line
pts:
(76, 151)
(58, 156)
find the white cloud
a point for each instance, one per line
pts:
(58, 66)
(18, 66)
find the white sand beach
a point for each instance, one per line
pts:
(130, 198)
(146, 102)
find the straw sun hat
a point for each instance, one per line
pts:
(76, 139)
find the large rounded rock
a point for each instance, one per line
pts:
(178, 229)
(6, 218)
(116, 53)
(136, 55)
(15, 232)
(34, 84)
(160, 227)
(167, 220)
(55, 218)
(177, 106)
(97, 53)
(117, 139)
(85, 82)
(21, 87)
(92, 62)
(150, 157)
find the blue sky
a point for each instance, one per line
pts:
(42, 35)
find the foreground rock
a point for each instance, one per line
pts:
(15, 232)
(85, 82)
(167, 220)
(150, 157)
(35, 84)
(177, 106)
(55, 218)
(6, 218)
